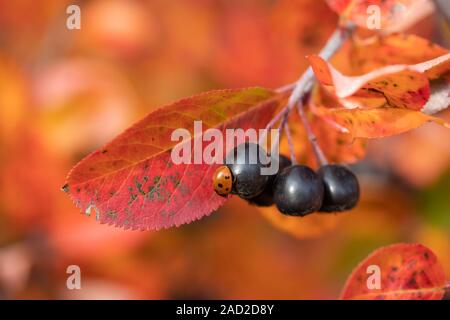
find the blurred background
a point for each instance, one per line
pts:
(64, 93)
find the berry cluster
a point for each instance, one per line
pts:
(296, 190)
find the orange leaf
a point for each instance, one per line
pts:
(377, 122)
(404, 86)
(311, 226)
(336, 142)
(407, 272)
(360, 57)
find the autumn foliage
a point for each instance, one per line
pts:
(70, 98)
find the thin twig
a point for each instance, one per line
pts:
(306, 81)
(332, 123)
(285, 125)
(286, 88)
(290, 143)
(311, 136)
(277, 118)
(304, 84)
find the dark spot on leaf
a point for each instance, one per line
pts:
(412, 282)
(104, 151)
(112, 214)
(139, 186)
(132, 198)
(65, 188)
(175, 180)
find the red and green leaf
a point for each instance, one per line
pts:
(407, 272)
(132, 181)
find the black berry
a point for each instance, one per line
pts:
(265, 199)
(245, 163)
(341, 188)
(298, 191)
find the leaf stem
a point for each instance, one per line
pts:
(286, 88)
(285, 125)
(329, 121)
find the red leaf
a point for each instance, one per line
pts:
(407, 272)
(132, 181)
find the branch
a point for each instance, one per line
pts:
(304, 84)
(285, 125)
(311, 136)
(306, 81)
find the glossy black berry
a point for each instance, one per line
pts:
(245, 163)
(265, 198)
(341, 188)
(298, 191)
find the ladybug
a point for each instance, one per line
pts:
(222, 181)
